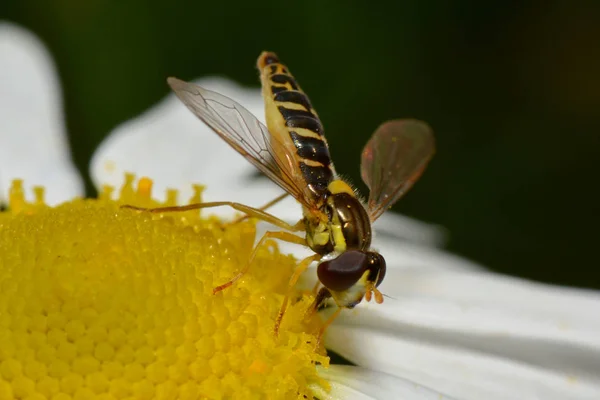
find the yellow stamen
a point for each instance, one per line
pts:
(96, 300)
(145, 188)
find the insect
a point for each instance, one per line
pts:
(293, 152)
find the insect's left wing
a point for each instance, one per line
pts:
(242, 131)
(393, 160)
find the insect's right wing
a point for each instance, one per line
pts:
(392, 161)
(246, 134)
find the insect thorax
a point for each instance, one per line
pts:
(346, 226)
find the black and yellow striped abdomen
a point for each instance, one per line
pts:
(291, 118)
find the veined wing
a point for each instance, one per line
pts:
(393, 160)
(246, 134)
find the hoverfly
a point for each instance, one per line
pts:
(292, 151)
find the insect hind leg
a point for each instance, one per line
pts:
(262, 208)
(250, 211)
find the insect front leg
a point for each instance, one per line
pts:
(320, 299)
(304, 264)
(326, 325)
(284, 236)
(249, 211)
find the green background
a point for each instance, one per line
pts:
(512, 90)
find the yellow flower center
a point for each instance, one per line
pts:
(97, 301)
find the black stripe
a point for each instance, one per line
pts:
(301, 119)
(310, 123)
(277, 89)
(290, 113)
(318, 178)
(311, 148)
(283, 79)
(273, 69)
(294, 97)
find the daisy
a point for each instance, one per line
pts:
(448, 329)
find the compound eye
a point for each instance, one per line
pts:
(345, 270)
(376, 267)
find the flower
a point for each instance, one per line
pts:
(448, 328)
(97, 299)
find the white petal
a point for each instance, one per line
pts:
(402, 254)
(402, 227)
(33, 141)
(174, 148)
(483, 303)
(459, 372)
(349, 383)
(478, 335)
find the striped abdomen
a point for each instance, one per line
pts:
(291, 118)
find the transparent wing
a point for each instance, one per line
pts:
(393, 160)
(246, 134)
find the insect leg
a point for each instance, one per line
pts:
(320, 298)
(250, 211)
(326, 325)
(284, 236)
(315, 288)
(262, 208)
(304, 264)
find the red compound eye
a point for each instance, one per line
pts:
(345, 270)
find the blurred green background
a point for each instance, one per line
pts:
(512, 90)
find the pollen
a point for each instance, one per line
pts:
(103, 302)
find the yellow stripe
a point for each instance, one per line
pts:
(311, 163)
(307, 133)
(339, 186)
(290, 105)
